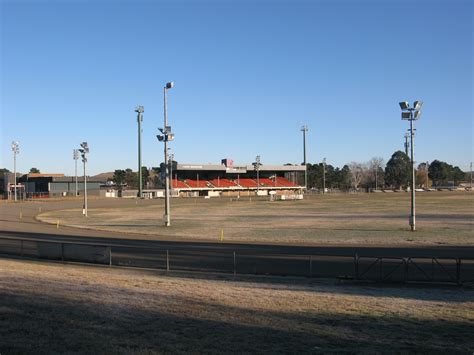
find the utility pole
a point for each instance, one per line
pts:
(75, 156)
(84, 151)
(411, 114)
(15, 150)
(139, 110)
(304, 129)
(324, 175)
(165, 137)
(406, 143)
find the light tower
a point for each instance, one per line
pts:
(84, 151)
(412, 114)
(257, 169)
(166, 137)
(304, 129)
(139, 110)
(15, 150)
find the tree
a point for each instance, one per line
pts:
(375, 176)
(119, 177)
(357, 172)
(439, 172)
(422, 175)
(457, 175)
(397, 171)
(34, 171)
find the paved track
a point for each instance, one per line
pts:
(150, 251)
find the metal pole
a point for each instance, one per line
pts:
(324, 176)
(75, 169)
(305, 129)
(85, 191)
(167, 183)
(406, 143)
(14, 172)
(139, 120)
(412, 218)
(471, 175)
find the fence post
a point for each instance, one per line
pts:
(310, 266)
(110, 256)
(167, 260)
(235, 265)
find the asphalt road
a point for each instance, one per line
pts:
(17, 221)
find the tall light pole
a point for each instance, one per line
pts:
(304, 129)
(166, 137)
(324, 175)
(139, 110)
(84, 151)
(471, 176)
(412, 114)
(257, 168)
(75, 156)
(15, 150)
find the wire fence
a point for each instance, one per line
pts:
(389, 269)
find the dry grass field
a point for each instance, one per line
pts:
(381, 218)
(56, 308)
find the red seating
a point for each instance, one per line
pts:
(267, 182)
(178, 184)
(223, 183)
(282, 182)
(244, 182)
(198, 183)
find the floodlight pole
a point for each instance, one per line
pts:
(412, 133)
(304, 129)
(411, 114)
(167, 216)
(84, 151)
(139, 110)
(257, 167)
(471, 176)
(15, 150)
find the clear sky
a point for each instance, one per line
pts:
(247, 75)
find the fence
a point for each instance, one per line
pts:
(355, 267)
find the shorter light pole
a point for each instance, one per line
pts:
(407, 145)
(412, 114)
(75, 156)
(304, 129)
(324, 175)
(471, 176)
(84, 151)
(15, 150)
(139, 110)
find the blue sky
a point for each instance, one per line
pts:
(248, 74)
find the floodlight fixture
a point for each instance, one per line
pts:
(160, 137)
(139, 109)
(404, 105)
(417, 105)
(406, 115)
(169, 85)
(417, 115)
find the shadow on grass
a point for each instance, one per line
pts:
(33, 322)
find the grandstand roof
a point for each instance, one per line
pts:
(238, 169)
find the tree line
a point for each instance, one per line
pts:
(374, 174)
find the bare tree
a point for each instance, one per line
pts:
(358, 171)
(376, 171)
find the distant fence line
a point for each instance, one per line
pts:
(450, 270)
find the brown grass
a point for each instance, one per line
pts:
(442, 218)
(49, 308)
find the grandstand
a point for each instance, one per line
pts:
(229, 180)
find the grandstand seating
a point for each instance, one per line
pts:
(178, 184)
(267, 182)
(283, 182)
(198, 183)
(245, 182)
(223, 183)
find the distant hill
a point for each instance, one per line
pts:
(102, 176)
